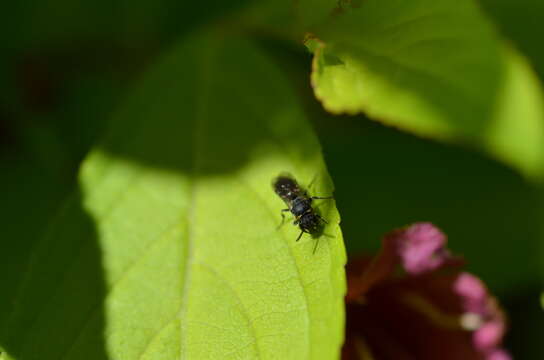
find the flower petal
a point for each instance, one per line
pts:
(421, 247)
(472, 292)
(498, 355)
(489, 335)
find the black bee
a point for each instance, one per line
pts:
(299, 204)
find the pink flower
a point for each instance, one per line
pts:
(412, 301)
(421, 247)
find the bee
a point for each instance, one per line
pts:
(299, 204)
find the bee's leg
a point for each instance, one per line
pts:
(321, 197)
(282, 217)
(316, 243)
(300, 235)
(320, 218)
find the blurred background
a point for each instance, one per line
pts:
(66, 66)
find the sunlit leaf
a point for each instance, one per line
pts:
(516, 133)
(171, 249)
(434, 68)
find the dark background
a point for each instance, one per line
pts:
(66, 65)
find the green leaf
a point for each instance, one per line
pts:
(142, 24)
(516, 132)
(22, 217)
(520, 21)
(171, 250)
(434, 68)
(320, 10)
(287, 19)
